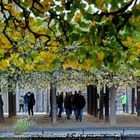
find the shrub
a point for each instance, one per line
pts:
(23, 124)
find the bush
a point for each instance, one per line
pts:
(23, 124)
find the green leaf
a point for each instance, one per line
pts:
(75, 37)
(136, 10)
(137, 73)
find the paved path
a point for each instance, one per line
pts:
(126, 125)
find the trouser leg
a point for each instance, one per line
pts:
(32, 110)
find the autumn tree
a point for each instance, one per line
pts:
(83, 35)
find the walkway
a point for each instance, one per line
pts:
(126, 124)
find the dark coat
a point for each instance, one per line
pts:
(79, 101)
(60, 101)
(31, 99)
(68, 102)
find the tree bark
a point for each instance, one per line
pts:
(11, 99)
(112, 92)
(94, 92)
(101, 116)
(132, 100)
(1, 110)
(127, 107)
(48, 102)
(89, 99)
(106, 104)
(138, 99)
(53, 105)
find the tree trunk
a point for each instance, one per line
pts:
(101, 116)
(51, 102)
(106, 104)
(94, 92)
(11, 98)
(132, 100)
(127, 107)
(89, 99)
(48, 102)
(112, 92)
(53, 105)
(138, 99)
(1, 110)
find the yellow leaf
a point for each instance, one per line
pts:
(138, 51)
(4, 40)
(100, 3)
(46, 4)
(53, 49)
(65, 65)
(138, 45)
(16, 13)
(72, 64)
(29, 67)
(29, 2)
(43, 54)
(16, 35)
(32, 38)
(4, 64)
(54, 43)
(21, 60)
(15, 62)
(6, 46)
(14, 55)
(80, 67)
(128, 42)
(20, 49)
(78, 17)
(38, 59)
(101, 55)
(93, 23)
(88, 63)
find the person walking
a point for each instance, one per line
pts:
(68, 104)
(73, 101)
(31, 102)
(25, 103)
(21, 104)
(123, 102)
(79, 103)
(60, 104)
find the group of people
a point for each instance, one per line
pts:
(27, 102)
(71, 103)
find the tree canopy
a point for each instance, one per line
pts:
(81, 35)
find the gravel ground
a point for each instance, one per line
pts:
(44, 121)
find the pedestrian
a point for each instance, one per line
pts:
(79, 102)
(21, 104)
(68, 104)
(31, 102)
(26, 103)
(60, 104)
(73, 100)
(123, 102)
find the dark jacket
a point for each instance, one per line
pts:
(31, 98)
(68, 102)
(60, 101)
(79, 101)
